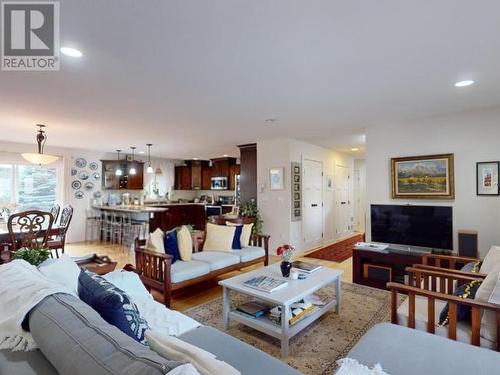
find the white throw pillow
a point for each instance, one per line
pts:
(62, 271)
(130, 283)
(219, 238)
(185, 243)
(157, 241)
(491, 260)
(485, 293)
(246, 233)
(187, 369)
(175, 349)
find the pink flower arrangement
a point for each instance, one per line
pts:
(286, 251)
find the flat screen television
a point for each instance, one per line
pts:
(424, 226)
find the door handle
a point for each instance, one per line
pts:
(314, 205)
(343, 202)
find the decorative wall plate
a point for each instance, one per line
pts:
(96, 176)
(93, 166)
(89, 186)
(76, 184)
(81, 163)
(79, 194)
(97, 194)
(84, 175)
(73, 171)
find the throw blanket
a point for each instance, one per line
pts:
(349, 366)
(22, 287)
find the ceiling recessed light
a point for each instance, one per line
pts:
(225, 155)
(195, 158)
(465, 83)
(72, 52)
(354, 149)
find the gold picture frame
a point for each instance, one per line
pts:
(423, 177)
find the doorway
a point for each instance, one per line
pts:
(343, 225)
(312, 206)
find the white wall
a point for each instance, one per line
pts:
(359, 194)
(275, 206)
(472, 136)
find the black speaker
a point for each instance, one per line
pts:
(468, 243)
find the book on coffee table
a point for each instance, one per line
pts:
(265, 283)
(254, 309)
(305, 267)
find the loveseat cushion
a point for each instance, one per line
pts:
(249, 253)
(491, 260)
(182, 271)
(217, 259)
(463, 328)
(77, 341)
(25, 363)
(219, 238)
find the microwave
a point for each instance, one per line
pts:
(218, 183)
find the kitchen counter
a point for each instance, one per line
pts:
(131, 208)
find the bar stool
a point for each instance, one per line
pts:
(92, 224)
(116, 228)
(106, 228)
(127, 237)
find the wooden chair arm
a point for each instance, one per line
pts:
(261, 240)
(439, 272)
(453, 302)
(438, 279)
(447, 270)
(451, 260)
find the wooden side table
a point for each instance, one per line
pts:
(198, 237)
(100, 265)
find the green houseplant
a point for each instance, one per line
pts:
(249, 209)
(33, 256)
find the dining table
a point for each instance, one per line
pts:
(4, 232)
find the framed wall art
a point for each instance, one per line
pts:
(423, 177)
(487, 178)
(276, 178)
(296, 183)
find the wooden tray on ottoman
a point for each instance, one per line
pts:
(95, 263)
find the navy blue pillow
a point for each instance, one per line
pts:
(237, 238)
(171, 246)
(463, 311)
(112, 304)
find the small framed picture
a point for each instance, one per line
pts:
(296, 169)
(297, 212)
(296, 178)
(487, 178)
(296, 187)
(296, 196)
(296, 204)
(276, 178)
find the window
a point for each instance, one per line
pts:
(24, 187)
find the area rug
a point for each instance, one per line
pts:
(337, 252)
(315, 350)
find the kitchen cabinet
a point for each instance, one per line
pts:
(179, 214)
(234, 170)
(206, 177)
(110, 181)
(196, 175)
(248, 172)
(182, 177)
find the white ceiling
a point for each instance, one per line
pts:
(198, 77)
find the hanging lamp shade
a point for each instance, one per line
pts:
(149, 169)
(40, 158)
(118, 171)
(132, 169)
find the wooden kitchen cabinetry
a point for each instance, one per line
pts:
(182, 177)
(179, 214)
(110, 181)
(234, 170)
(206, 177)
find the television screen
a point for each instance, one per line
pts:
(425, 226)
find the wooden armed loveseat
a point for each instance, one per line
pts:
(430, 286)
(156, 269)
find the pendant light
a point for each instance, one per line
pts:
(118, 171)
(40, 158)
(132, 170)
(150, 168)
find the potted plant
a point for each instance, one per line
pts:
(249, 209)
(286, 252)
(33, 256)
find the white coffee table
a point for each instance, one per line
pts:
(295, 291)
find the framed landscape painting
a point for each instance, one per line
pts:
(423, 177)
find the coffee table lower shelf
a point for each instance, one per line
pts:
(265, 325)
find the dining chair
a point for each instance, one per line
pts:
(55, 211)
(29, 229)
(59, 234)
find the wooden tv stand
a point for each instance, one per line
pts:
(375, 269)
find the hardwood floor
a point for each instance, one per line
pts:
(200, 293)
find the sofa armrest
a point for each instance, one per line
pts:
(446, 261)
(261, 240)
(453, 301)
(154, 269)
(450, 271)
(439, 280)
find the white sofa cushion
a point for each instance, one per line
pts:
(217, 259)
(182, 271)
(491, 260)
(185, 243)
(484, 293)
(156, 241)
(463, 328)
(249, 253)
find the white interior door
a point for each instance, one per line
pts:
(342, 202)
(312, 190)
(359, 201)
